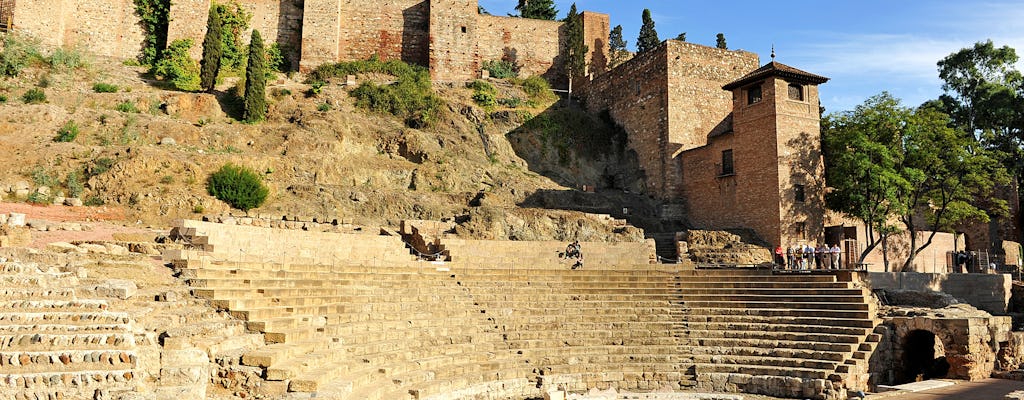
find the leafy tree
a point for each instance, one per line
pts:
(240, 187)
(256, 81)
(720, 41)
(235, 20)
(213, 50)
(178, 67)
(648, 38)
(889, 163)
(576, 49)
(681, 37)
(617, 47)
(537, 9)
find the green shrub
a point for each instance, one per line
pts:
(235, 21)
(178, 67)
(94, 201)
(513, 102)
(34, 96)
(537, 88)
(323, 107)
(64, 59)
(167, 179)
(280, 93)
(3, 98)
(101, 87)
(501, 69)
(38, 198)
(277, 58)
(73, 182)
(198, 209)
(67, 133)
(43, 178)
(127, 107)
(18, 52)
(154, 16)
(240, 187)
(99, 166)
(484, 93)
(411, 97)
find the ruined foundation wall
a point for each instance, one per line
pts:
(988, 292)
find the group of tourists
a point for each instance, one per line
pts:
(803, 256)
(573, 250)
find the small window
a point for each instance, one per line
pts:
(798, 193)
(801, 230)
(727, 167)
(754, 94)
(796, 92)
(463, 29)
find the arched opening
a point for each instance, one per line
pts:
(924, 357)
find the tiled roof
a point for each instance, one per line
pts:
(777, 69)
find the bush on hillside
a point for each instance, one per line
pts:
(67, 133)
(34, 96)
(178, 67)
(484, 94)
(101, 87)
(501, 69)
(64, 59)
(240, 187)
(18, 52)
(538, 88)
(410, 97)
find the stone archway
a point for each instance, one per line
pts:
(924, 357)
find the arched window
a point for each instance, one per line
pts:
(796, 92)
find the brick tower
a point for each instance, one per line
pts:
(775, 162)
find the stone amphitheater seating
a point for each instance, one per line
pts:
(55, 345)
(496, 324)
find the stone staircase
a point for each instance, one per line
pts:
(57, 345)
(666, 246)
(780, 335)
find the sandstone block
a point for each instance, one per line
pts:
(73, 202)
(119, 288)
(64, 247)
(16, 219)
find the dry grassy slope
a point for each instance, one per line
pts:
(345, 161)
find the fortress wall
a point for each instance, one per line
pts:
(321, 30)
(596, 28)
(640, 106)
(454, 28)
(188, 21)
(42, 19)
(108, 28)
(391, 29)
(279, 21)
(534, 44)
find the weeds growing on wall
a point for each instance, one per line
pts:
(235, 21)
(501, 69)
(155, 16)
(411, 96)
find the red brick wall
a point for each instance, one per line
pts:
(392, 30)
(534, 42)
(596, 27)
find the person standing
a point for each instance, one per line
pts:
(789, 257)
(779, 260)
(835, 255)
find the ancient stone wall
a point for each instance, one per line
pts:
(454, 55)
(640, 106)
(596, 27)
(988, 292)
(321, 32)
(531, 43)
(108, 28)
(188, 21)
(391, 30)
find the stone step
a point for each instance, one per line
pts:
(67, 361)
(779, 343)
(699, 313)
(70, 382)
(760, 370)
(88, 305)
(784, 305)
(723, 278)
(278, 352)
(761, 285)
(85, 341)
(772, 336)
(63, 328)
(773, 328)
(779, 298)
(64, 318)
(799, 319)
(763, 291)
(10, 294)
(768, 352)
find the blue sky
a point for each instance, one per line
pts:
(866, 47)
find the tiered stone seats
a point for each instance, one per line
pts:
(54, 344)
(504, 254)
(586, 328)
(782, 335)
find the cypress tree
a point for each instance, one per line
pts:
(720, 41)
(617, 47)
(256, 81)
(681, 37)
(576, 49)
(537, 9)
(648, 39)
(213, 50)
